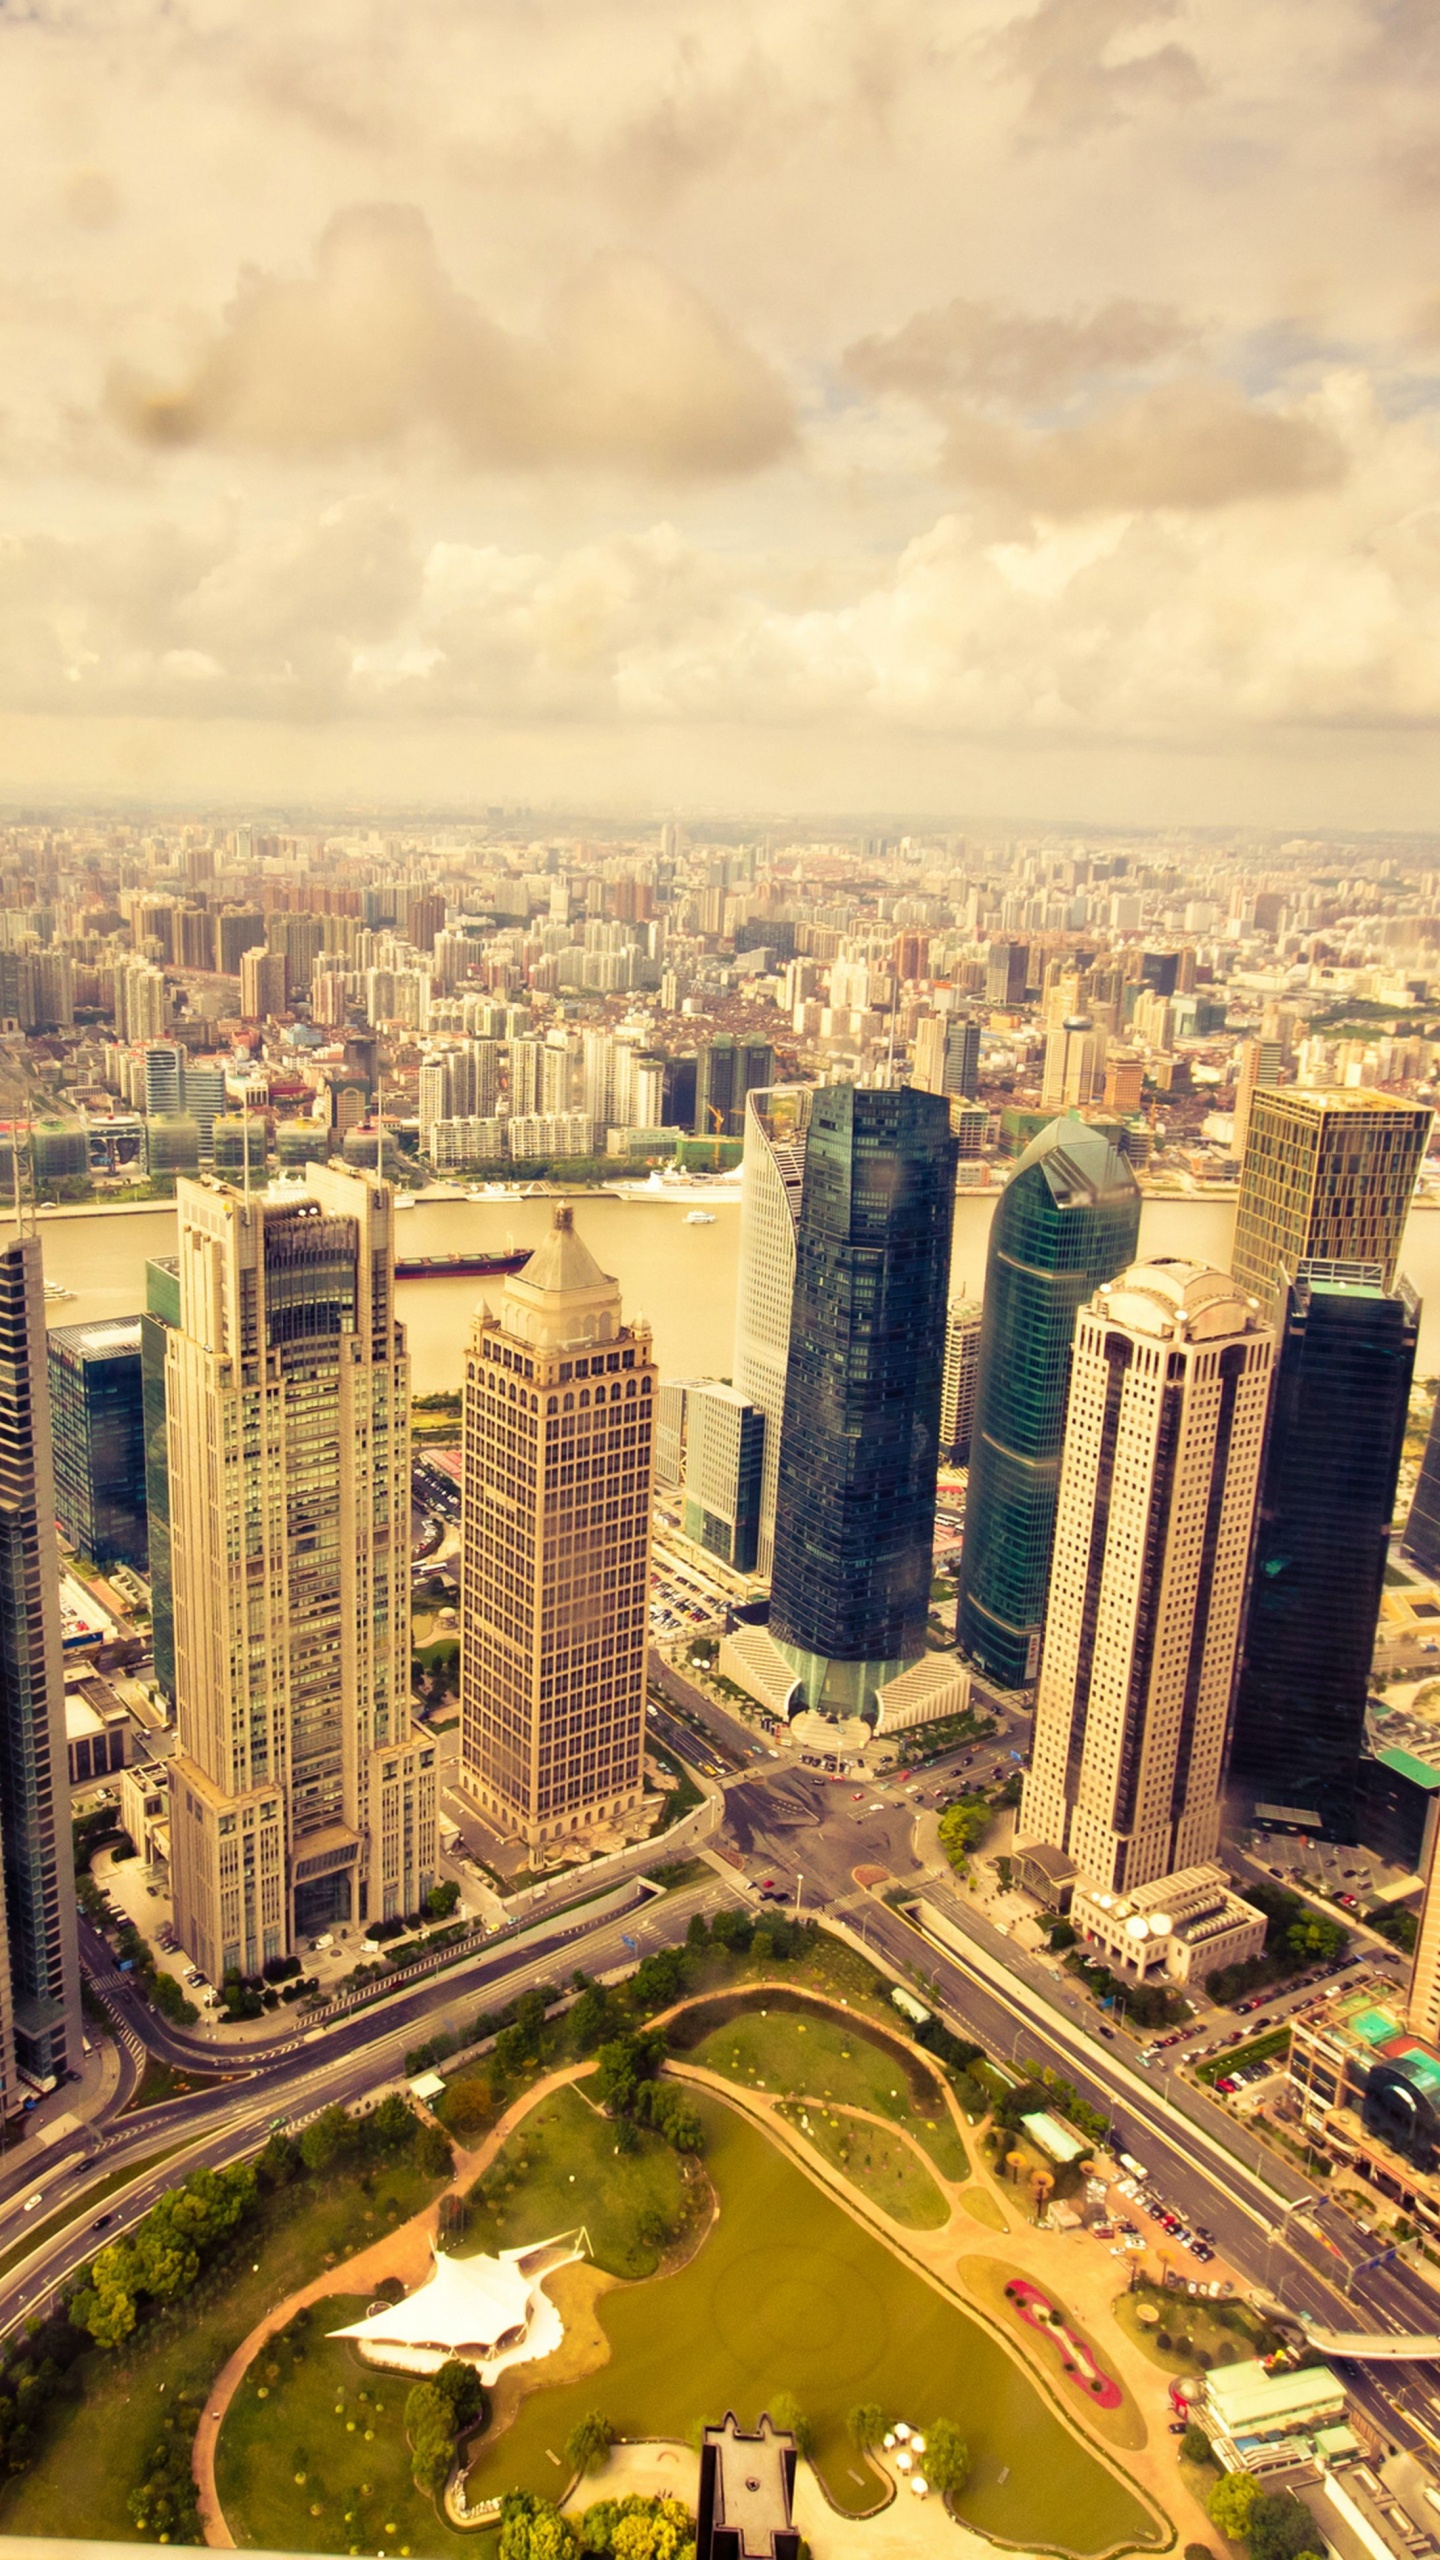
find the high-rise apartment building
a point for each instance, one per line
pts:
(859, 1437)
(302, 1796)
(1165, 1427)
(1328, 1176)
(555, 1549)
(97, 1431)
(1257, 1063)
(1005, 973)
(961, 1379)
(947, 1054)
(40, 2034)
(1074, 1071)
(724, 1462)
(1345, 1361)
(772, 1178)
(1069, 1218)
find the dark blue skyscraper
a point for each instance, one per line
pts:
(1337, 1423)
(98, 1426)
(1069, 1219)
(855, 1509)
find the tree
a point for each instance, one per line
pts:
(467, 2107)
(327, 2139)
(532, 2529)
(787, 2413)
(1230, 2503)
(946, 2457)
(865, 2425)
(441, 1899)
(460, 2385)
(1195, 2444)
(588, 2444)
(1280, 2527)
(430, 2426)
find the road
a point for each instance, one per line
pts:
(339, 2065)
(736, 1743)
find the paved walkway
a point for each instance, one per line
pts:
(404, 2253)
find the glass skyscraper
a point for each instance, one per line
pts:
(162, 1309)
(1069, 1219)
(855, 1509)
(1342, 1389)
(98, 1427)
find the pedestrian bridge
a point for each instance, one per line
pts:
(1374, 2346)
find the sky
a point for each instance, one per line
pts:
(653, 406)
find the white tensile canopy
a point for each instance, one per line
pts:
(489, 2312)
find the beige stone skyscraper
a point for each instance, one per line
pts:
(776, 1121)
(1163, 1436)
(301, 1795)
(555, 1531)
(1328, 1176)
(1423, 2010)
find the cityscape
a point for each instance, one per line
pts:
(720, 1280)
(625, 1449)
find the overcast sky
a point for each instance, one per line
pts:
(827, 403)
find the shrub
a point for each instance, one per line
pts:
(947, 2457)
(1195, 2444)
(787, 2413)
(587, 2446)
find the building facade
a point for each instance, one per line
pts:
(162, 1309)
(1345, 1360)
(1328, 1176)
(1421, 1535)
(1069, 1219)
(772, 1180)
(98, 1430)
(558, 1441)
(40, 2029)
(728, 1071)
(1163, 1439)
(859, 1438)
(724, 1465)
(960, 1382)
(302, 1795)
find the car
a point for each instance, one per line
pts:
(1227, 2086)
(1109, 2034)
(102, 2222)
(1179, 2426)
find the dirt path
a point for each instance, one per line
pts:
(404, 2253)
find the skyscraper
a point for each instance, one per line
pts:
(1164, 1431)
(1342, 1388)
(855, 1512)
(1074, 1064)
(555, 1549)
(1069, 1219)
(724, 1462)
(728, 1072)
(302, 1796)
(40, 2033)
(947, 1054)
(97, 1428)
(1423, 2005)
(960, 1379)
(1421, 1540)
(162, 1309)
(771, 1183)
(1328, 1176)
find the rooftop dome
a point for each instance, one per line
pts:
(1170, 1297)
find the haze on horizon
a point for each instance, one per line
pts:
(830, 403)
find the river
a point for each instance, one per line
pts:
(681, 1277)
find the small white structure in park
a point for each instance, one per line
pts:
(488, 2312)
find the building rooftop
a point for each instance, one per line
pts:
(1246, 2399)
(1080, 1163)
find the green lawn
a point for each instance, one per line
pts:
(1259, 2049)
(878, 2162)
(788, 2293)
(562, 2167)
(313, 2456)
(791, 2047)
(96, 2452)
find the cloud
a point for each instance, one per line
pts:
(991, 352)
(634, 371)
(1194, 442)
(1086, 63)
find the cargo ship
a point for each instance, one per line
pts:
(460, 1266)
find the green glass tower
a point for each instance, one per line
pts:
(855, 1505)
(1069, 1218)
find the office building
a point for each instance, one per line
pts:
(1345, 1359)
(961, 1378)
(162, 1309)
(1068, 1220)
(1328, 1176)
(40, 2030)
(1423, 2005)
(728, 1071)
(302, 1796)
(772, 1177)
(745, 2506)
(724, 1455)
(264, 984)
(555, 1550)
(859, 1435)
(1006, 973)
(1164, 1432)
(98, 1436)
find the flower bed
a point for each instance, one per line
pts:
(1099, 2388)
